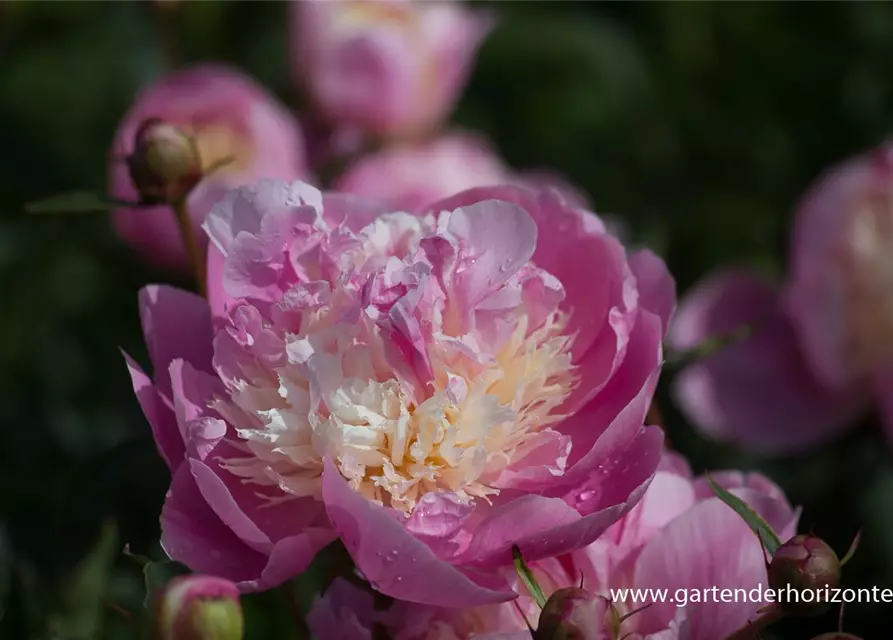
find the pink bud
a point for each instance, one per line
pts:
(239, 131)
(804, 563)
(573, 614)
(199, 607)
(390, 67)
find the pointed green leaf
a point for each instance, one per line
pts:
(759, 526)
(74, 202)
(527, 578)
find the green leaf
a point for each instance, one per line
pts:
(528, 579)
(75, 202)
(767, 536)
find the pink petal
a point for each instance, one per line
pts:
(247, 209)
(544, 527)
(192, 533)
(218, 299)
(159, 416)
(393, 560)
(343, 612)
(622, 405)
(708, 546)
(176, 324)
(759, 392)
(499, 237)
(657, 288)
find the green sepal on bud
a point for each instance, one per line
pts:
(165, 164)
(199, 607)
(805, 563)
(574, 613)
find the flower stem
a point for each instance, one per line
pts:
(751, 630)
(193, 251)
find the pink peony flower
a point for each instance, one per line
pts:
(758, 392)
(410, 177)
(391, 67)
(431, 389)
(230, 116)
(678, 537)
(841, 277)
(824, 338)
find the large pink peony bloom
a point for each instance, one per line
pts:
(431, 389)
(679, 537)
(410, 177)
(230, 116)
(823, 342)
(391, 67)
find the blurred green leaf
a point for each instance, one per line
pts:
(74, 202)
(78, 611)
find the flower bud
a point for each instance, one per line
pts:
(165, 163)
(805, 563)
(199, 607)
(573, 614)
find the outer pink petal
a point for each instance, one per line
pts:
(192, 533)
(393, 560)
(176, 324)
(759, 392)
(657, 288)
(343, 612)
(708, 546)
(543, 528)
(159, 416)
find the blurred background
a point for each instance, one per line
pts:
(697, 125)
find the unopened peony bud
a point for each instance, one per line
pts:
(805, 563)
(165, 163)
(573, 614)
(198, 607)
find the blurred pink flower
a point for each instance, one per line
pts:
(391, 67)
(840, 294)
(229, 115)
(823, 342)
(431, 389)
(409, 177)
(679, 536)
(758, 392)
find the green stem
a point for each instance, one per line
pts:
(707, 347)
(193, 250)
(751, 630)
